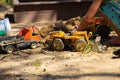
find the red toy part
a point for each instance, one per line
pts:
(30, 33)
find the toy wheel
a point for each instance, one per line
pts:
(33, 45)
(80, 45)
(58, 44)
(9, 49)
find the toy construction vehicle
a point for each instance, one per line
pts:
(99, 26)
(59, 40)
(28, 36)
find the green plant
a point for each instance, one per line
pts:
(6, 2)
(37, 63)
(9, 2)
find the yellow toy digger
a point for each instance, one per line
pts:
(58, 40)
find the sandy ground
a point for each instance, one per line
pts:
(42, 64)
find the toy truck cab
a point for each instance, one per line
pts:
(31, 36)
(59, 40)
(30, 33)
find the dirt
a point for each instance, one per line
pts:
(45, 64)
(42, 64)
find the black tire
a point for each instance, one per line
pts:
(58, 45)
(33, 45)
(103, 31)
(9, 49)
(80, 45)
